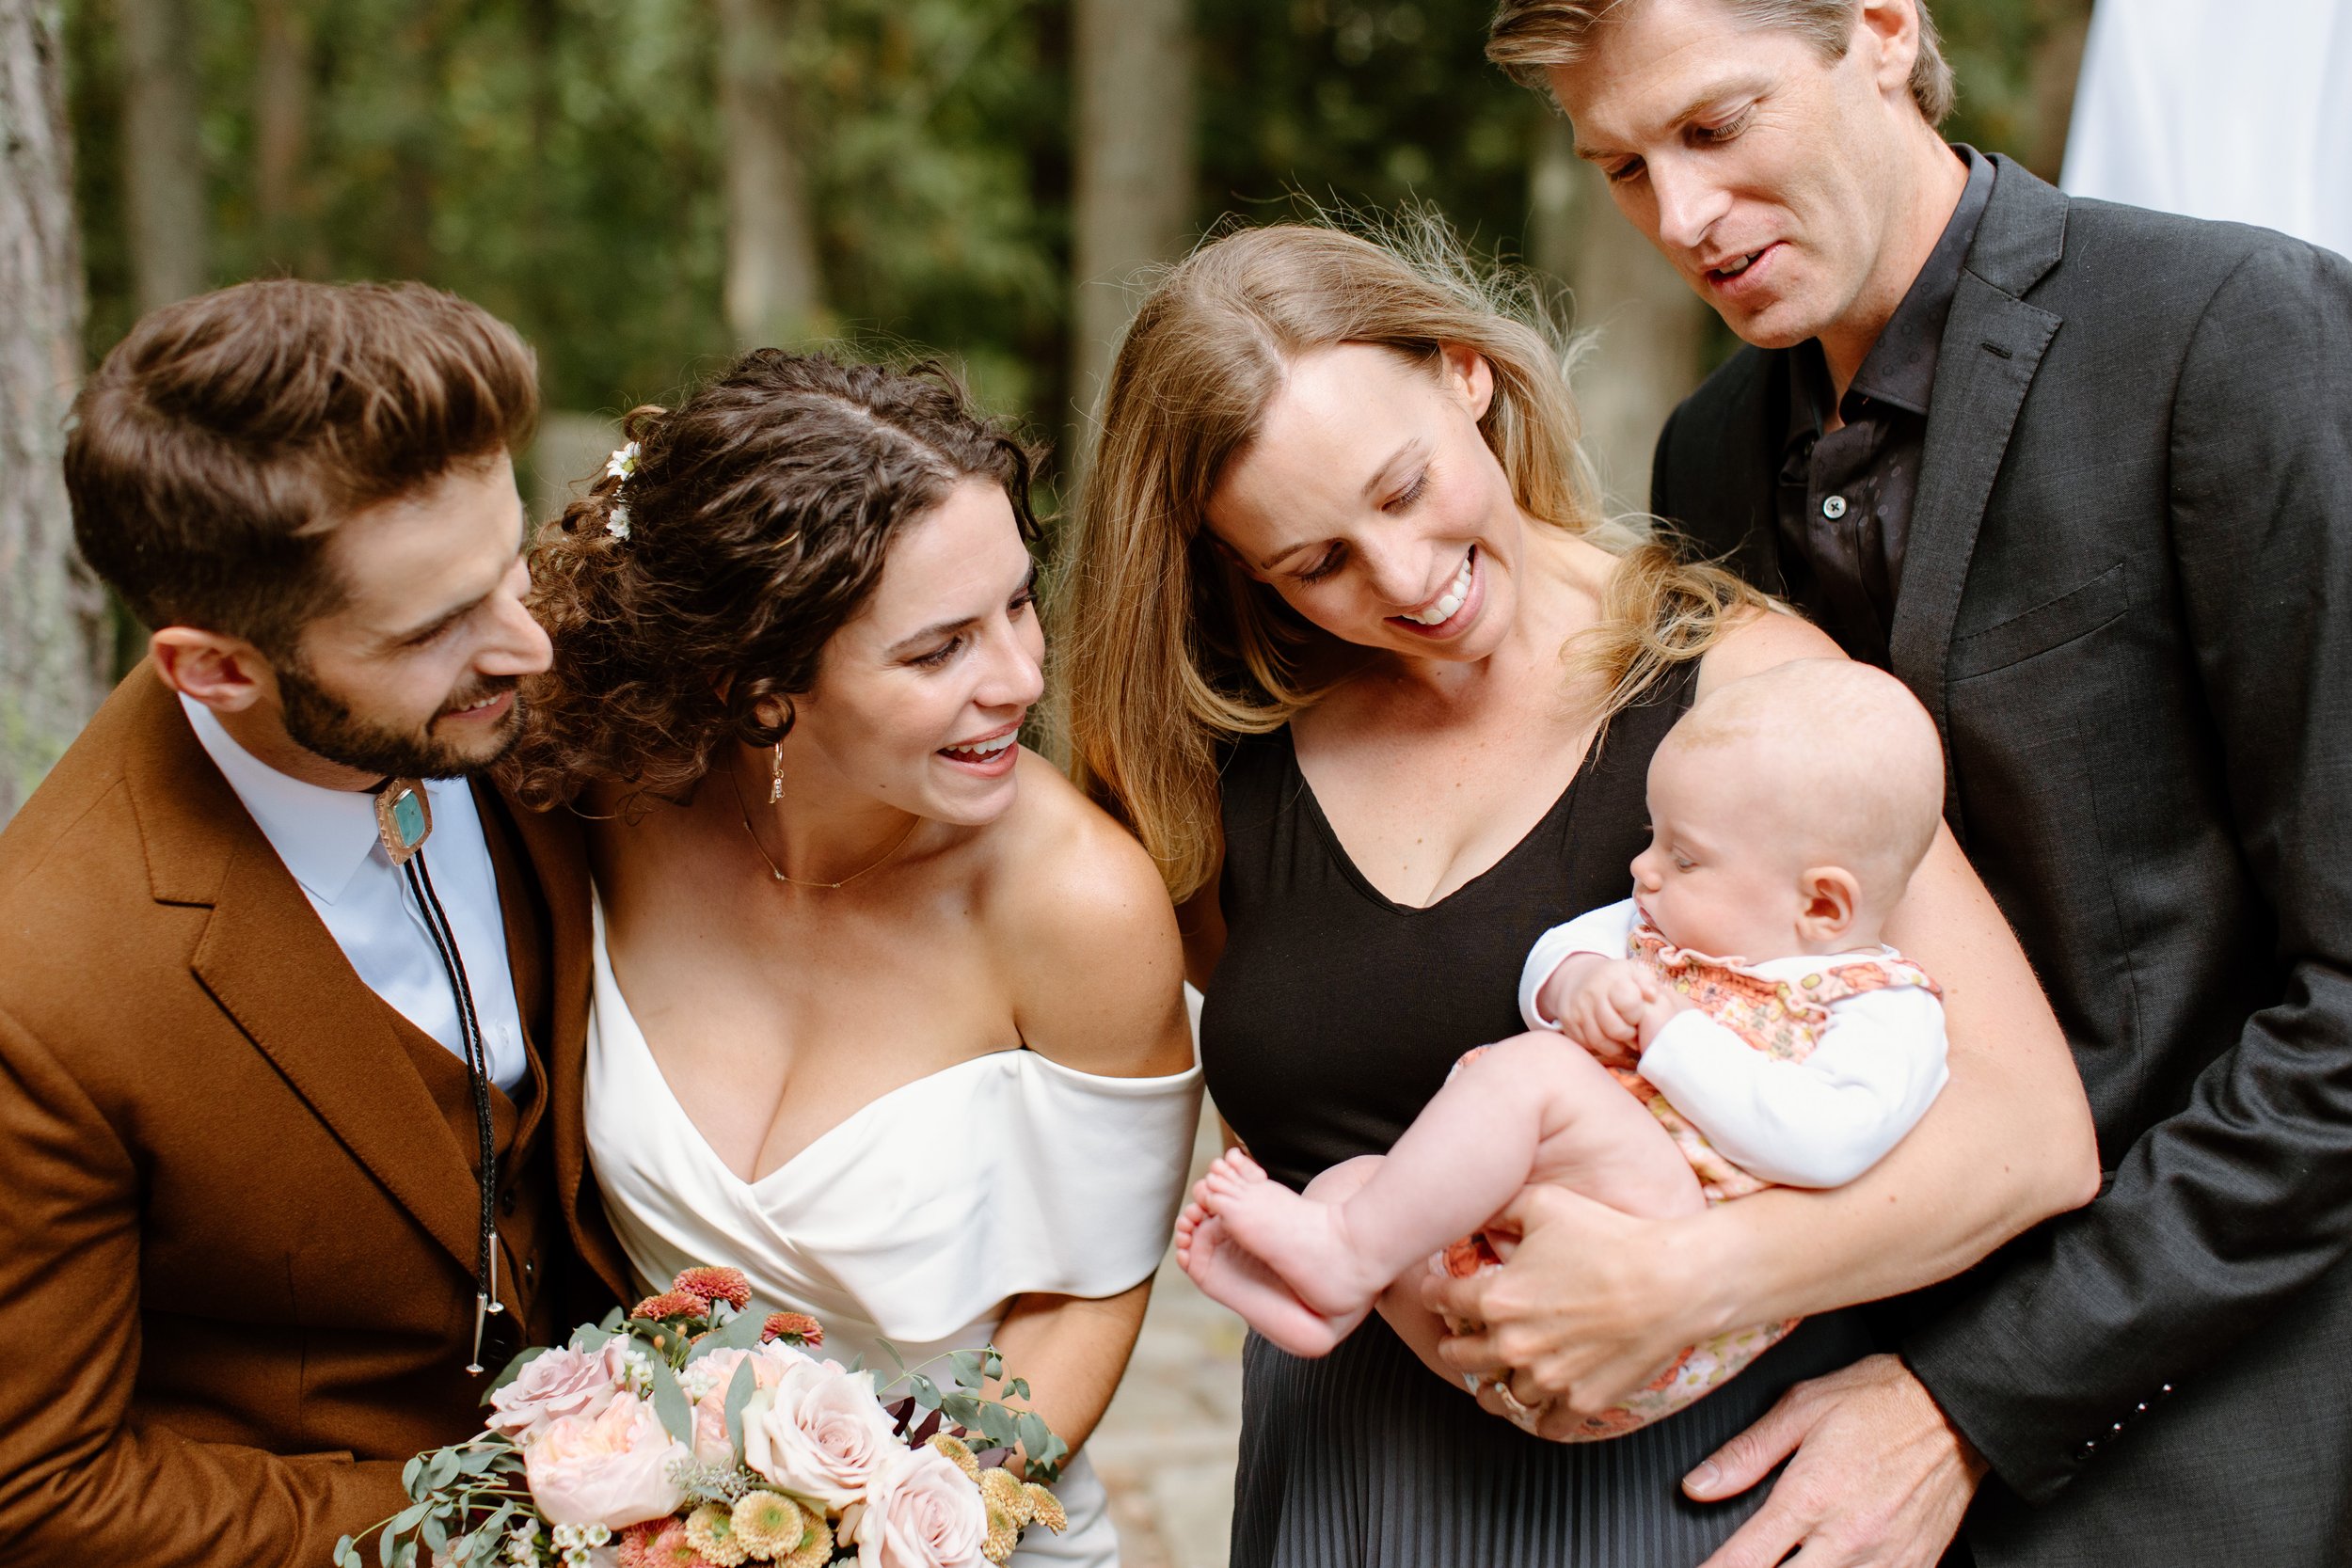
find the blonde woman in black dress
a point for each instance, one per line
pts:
(1352, 651)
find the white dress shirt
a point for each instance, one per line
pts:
(327, 839)
(1876, 1069)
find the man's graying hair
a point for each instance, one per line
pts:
(1528, 36)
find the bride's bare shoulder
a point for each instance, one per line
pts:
(1080, 918)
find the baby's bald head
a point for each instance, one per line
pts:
(1828, 762)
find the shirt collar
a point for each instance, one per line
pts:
(323, 835)
(1900, 369)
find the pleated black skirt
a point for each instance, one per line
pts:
(1364, 1459)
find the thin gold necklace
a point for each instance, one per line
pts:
(777, 871)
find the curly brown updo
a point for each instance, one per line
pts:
(756, 525)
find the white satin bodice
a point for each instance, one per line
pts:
(917, 1217)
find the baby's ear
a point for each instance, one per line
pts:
(1831, 899)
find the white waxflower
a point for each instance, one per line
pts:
(623, 462)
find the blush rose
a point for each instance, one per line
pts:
(555, 1384)
(819, 1434)
(922, 1513)
(612, 1469)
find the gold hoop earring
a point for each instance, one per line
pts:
(775, 772)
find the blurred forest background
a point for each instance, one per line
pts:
(642, 186)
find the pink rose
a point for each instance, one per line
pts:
(819, 1432)
(612, 1469)
(558, 1383)
(922, 1513)
(715, 1374)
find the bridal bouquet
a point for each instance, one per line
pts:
(694, 1433)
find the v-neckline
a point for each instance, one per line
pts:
(1336, 849)
(754, 1185)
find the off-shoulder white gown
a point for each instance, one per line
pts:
(918, 1217)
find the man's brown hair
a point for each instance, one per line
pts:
(1529, 37)
(214, 450)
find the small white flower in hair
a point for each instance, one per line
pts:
(616, 522)
(623, 462)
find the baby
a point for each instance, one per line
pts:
(1741, 995)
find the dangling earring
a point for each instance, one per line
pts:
(775, 772)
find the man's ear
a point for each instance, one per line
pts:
(1892, 29)
(1831, 895)
(226, 673)
(1469, 377)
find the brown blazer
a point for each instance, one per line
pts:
(238, 1228)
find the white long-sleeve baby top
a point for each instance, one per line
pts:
(1819, 1123)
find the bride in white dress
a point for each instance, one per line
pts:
(885, 1014)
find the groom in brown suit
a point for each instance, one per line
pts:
(250, 1062)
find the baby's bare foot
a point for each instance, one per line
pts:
(1232, 1277)
(1303, 1242)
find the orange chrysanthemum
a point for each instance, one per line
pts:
(672, 1304)
(661, 1544)
(797, 1325)
(732, 1286)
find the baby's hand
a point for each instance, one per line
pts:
(1602, 1003)
(1660, 1011)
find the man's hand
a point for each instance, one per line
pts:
(1879, 1476)
(1601, 1003)
(1587, 1306)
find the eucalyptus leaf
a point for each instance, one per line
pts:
(1018, 1388)
(613, 1321)
(991, 1364)
(408, 1474)
(589, 1340)
(925, 1392)
(670, 1404)
(346, 1556)
(968, 1365)
(963, 1409)
(1036, 1436)
(435, 1534)
(739, 1332)
(441, 1469)
(997, 1422)
(477, 1461)
(892, 1351)
(739, 1390)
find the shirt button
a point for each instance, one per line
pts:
(1834, 508)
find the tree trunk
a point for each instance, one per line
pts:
(163, 153)
(772, 289)
(1133, 202)
(1649, 329)
(52, 617)
(281, 127)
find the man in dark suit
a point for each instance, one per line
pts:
(261, 1160)
(2081, 475)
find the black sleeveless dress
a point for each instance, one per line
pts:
(1332, 1020)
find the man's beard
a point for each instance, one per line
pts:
(321, 722)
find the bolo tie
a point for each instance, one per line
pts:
(404, 820)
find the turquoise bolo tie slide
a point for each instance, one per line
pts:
(403, 819)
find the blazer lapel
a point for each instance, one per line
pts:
(1993, 346)
(275, 970)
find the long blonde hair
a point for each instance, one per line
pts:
(1165, 647)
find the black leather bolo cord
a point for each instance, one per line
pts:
(485, 1300)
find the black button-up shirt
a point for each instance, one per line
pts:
(1845, 497)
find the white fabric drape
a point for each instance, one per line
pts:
(2230, 109)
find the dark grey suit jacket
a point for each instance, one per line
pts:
(2127, 601)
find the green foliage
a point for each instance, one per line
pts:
(561, 161)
